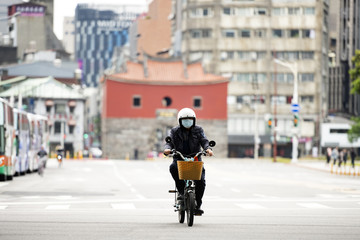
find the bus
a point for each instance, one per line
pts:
(23, 142)
(38, 130)
(7, 138)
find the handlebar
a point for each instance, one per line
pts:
(174, 152)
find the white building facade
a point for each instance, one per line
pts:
(240, 39)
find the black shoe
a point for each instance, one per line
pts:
(180, 197)
(199, 211)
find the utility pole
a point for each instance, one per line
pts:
(255, 86)
(295, 107)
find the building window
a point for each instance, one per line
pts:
(307, 77)
(57, 127)
(245, 33)
(308, 33)
(294, 11)
(260, 33)
(229, 33)
(166, 101)
(206, 33)
(279, 11)
(260, 11)
(308, 99)
(307, 55)
(200, 33)
(197, 102)
(60, 108)
(277, 33)
(309, 11)
(227, 11)
(294, 33)
(279, 100)
(201, 12)
(195, 34)
(136, 101)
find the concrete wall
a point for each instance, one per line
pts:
(120, 137)
(31, 34)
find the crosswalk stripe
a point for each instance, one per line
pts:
(313, 205)
(57, 207)
(250, 206)
(123, 206)
(3, 207)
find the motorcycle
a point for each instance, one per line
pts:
(59, 157)
(190, 169)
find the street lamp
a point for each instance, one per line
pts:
(295, 103)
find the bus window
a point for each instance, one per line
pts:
(2, 140)
(2, 114)
(16, 121)
(10, 116)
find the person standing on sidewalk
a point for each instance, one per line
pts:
(352, 156)
(328, 155)
(335, 155)
(345, 152)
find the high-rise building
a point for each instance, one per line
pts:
(344, 31)
(49, 13)
(69, 35)
(99, 29)
(151, 33)
(31, 30)
(240, 39)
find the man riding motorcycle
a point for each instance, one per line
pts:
(188, 138)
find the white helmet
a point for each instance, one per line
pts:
(186, 113)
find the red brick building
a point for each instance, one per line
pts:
(140, 105)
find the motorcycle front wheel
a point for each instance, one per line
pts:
(190, 209)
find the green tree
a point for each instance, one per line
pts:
(355, 73)
(354, 132)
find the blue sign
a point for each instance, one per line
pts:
(295, 108)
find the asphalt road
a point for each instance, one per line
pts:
(117, 199)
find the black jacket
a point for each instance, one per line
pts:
(197, 140)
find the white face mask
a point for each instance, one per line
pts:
(187, 123)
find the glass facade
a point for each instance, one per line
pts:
(98, 33)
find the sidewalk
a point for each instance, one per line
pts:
(320, 165)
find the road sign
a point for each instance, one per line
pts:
(295, 108)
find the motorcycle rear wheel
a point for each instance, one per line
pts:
(181, 215)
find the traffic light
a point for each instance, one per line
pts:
(86, 135)
(269, 122)
(296, 120)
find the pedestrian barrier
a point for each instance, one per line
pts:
(345, 170)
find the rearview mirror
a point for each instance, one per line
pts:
(168, 139)
(212, 143)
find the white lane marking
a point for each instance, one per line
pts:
(250, 206)
(126, 182)
(3, 207)
(31, 197)
(313, 205)
(3, 184)
(57, 207)
(123, 206)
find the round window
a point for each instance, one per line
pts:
(166, 101)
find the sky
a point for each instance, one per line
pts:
(66, 8)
